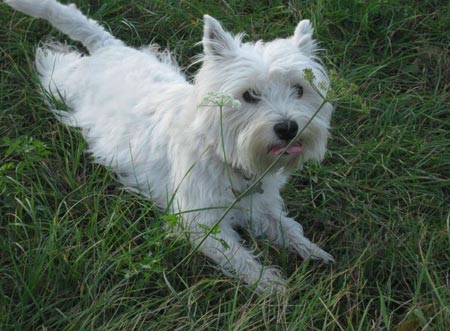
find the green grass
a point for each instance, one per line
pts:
(79, 253)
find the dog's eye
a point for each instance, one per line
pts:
(298, 90)
(250, 96)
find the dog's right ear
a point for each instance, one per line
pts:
(303, 38)
(216, 41)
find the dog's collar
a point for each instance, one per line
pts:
(240, 172)
(249, 180)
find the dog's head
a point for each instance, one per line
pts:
(280, 87)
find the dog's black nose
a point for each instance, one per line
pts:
(286, 130)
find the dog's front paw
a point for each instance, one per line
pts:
(318, 253)
(307, 249)
(271, 281)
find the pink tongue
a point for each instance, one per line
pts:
(294, 149)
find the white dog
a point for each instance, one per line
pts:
(215, 151)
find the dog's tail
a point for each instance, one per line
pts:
(69, 20)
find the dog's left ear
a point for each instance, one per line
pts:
(303, 37)
(216, 41)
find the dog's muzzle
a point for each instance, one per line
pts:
(286, 131)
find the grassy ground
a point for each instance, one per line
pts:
(78, 253)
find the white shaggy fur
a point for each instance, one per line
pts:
(168, 139)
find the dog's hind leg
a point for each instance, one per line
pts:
(55, 63)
